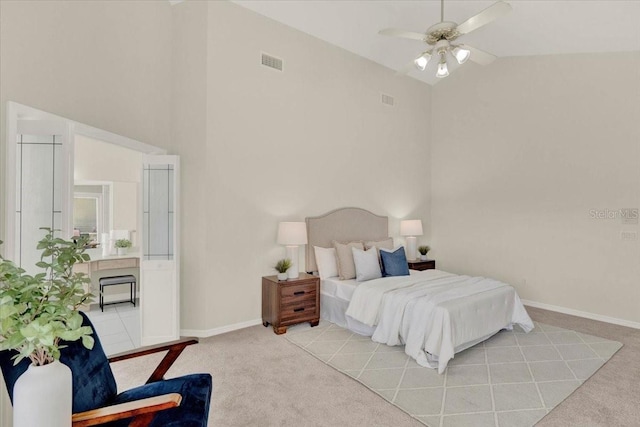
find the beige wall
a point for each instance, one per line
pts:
(188, 117)
(522, 151)
(285, 145)
(101, 161)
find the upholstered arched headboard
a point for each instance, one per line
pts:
(344, 225)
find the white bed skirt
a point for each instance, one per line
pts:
(333, 309)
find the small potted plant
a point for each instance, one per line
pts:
(281, 267)
(122, 245)
(37, 313)
(423, 252)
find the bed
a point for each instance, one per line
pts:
(434, 313)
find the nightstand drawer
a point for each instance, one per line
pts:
(295, 294)
(299, 312)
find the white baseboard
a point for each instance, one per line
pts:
(204, 333)
(585, 314)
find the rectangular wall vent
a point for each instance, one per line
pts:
(388, 99)
(271, 62)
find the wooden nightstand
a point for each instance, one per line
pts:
(292, 301)
(429, 264)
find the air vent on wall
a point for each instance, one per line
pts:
(271, 62)
(388, 100)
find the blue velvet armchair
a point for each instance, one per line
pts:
(182, 401)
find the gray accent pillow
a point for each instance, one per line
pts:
(367, 265)
(344, 256)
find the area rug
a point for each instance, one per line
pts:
(513, 379)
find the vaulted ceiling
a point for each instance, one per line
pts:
(533, 27)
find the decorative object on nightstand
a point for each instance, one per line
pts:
(291, 302)
(423, 252)
(420, 265)
(281, 267)
(292, 234)
(122, 246)
(410, 229)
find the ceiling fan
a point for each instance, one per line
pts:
(441, 36)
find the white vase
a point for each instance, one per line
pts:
(423, 257)
(282, 276)
(42, 396)
(121, 251)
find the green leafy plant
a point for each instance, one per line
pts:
(423, 250)
(283, 265)
(36, 312)
(123, 243)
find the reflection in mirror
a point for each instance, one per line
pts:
(91, 212)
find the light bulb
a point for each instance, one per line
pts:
(443, 71)
(461, 54)
(422, 61)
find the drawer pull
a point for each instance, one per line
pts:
(298, 309)
(299, 293)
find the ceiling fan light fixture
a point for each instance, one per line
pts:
(422, 61)
(443, 70)
(461, 54)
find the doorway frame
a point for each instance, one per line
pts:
(14, 112)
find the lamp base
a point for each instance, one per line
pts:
(411, 248)
(292, 254)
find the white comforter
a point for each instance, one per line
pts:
(435, 314)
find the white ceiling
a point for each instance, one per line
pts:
(533, 27)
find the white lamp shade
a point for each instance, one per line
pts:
(411, 227)
(292, 233)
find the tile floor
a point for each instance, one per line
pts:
(512, 379)
(118, 327)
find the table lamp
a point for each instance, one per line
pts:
(292, 234)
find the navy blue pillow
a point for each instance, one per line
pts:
(394, 263)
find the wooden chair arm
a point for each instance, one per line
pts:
(143, 407)
(173, 348)
(143, 351)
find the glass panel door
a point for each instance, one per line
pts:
(159, 264)
(158, 211)
(42, 186)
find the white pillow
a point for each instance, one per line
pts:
(367, 266)
(326, 262)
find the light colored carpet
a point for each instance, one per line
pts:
(261, 379)
(511, 380)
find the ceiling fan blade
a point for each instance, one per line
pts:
(394, 32)
(491, 13)
(479, 56)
